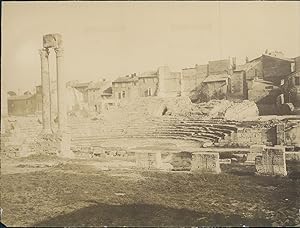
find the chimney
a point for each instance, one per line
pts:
(233, 63)
(247, 59)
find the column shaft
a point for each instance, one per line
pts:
(46, 98)
(61, 88)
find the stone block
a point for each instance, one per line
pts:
(272, 161)
(225, 161)
(205, 162)
(52, 40)
(148, 160)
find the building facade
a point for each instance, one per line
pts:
(125, 88)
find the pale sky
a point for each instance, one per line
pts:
(111, 39)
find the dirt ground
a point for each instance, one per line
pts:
(48, 191)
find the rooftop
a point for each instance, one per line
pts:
(127, 78)
(99, 85)
(20, 97)
(148, 74)
(81, 84)
(216, 77)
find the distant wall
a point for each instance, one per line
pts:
(169, 82)
(238, 85)
(192, 77)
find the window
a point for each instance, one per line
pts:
(120, 96)
(149, 92)
(292, 67)
(297, 80)
(123, 94)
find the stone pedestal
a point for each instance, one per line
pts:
(148, 160)
(46, 107)
(272, 161)
(65, 144)
(206, 162)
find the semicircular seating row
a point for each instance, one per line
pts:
(91, 133)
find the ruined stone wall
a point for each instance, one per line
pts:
(192, 77)
(188, 81)
(169, 82)
(250, 136)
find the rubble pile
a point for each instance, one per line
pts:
(227, 109)
(241, 110)
(45, 144)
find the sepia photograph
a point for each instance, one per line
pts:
(150, 113)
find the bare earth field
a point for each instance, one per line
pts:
(48, 191)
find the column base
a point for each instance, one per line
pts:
(65, 145)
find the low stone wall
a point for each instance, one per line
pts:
(205, 162)
(272, 161)
(181, 161)
(292, 156)
(250, 136)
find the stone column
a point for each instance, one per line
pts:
(46, 107)
(61, 88)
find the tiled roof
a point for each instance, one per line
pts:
(107, 91)
(216, 78)
(125, 79)
(282, 58)
(81, 84)
(20, 97)
(99, 85)
(148, 74)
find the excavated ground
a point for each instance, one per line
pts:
(48, 191)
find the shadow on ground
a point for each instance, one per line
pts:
(145, 215)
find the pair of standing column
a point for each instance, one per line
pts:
(46, 93)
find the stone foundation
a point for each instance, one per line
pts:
(206, 163)
(272, 161)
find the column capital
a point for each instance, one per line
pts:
(59, 52)
(44, 52)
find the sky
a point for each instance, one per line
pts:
(112, 39)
